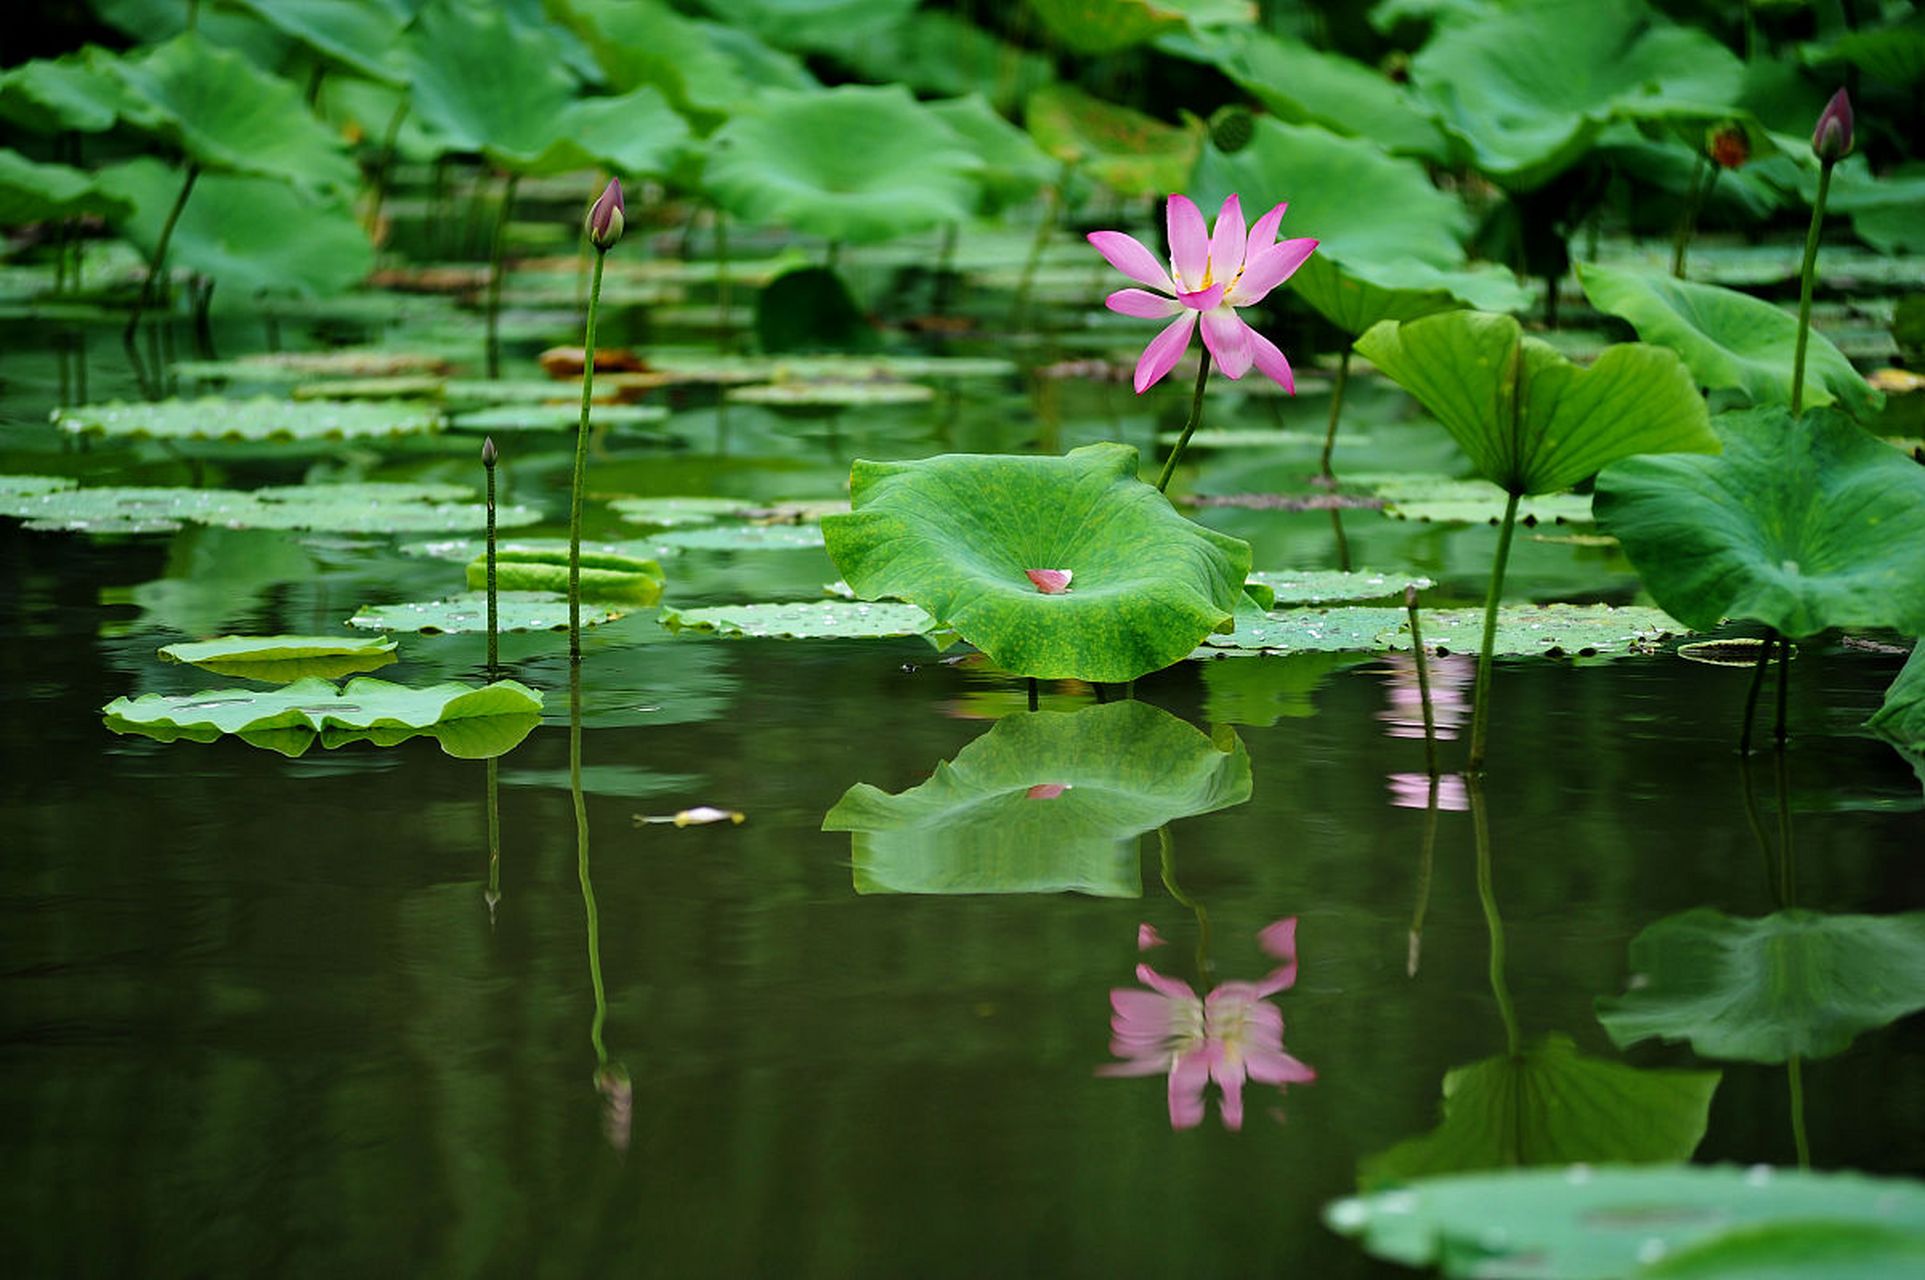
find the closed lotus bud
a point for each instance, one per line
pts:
(1831, 140)
(488, 452)
(1727, 146)
(605, 217)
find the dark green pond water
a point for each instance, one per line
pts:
(258, 1015)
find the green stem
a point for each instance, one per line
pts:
(1494, 923)
(581, 860)
(1688, 224)
(493, 896)
(1751, 697)
(1784, 681)
(1807, 274)
(1422, 660)
(581, 469)
(495, 254)
(722, 290)
(1189, 428)
(385, 164)
(157, 270)
(494, 642)
(1795, 1079)
(1415, 948)
(1166, 845)
(1336, 409)
(1480, 713)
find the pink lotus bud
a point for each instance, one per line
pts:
(1051, 582)
(1831, 140)
(605, 217)
(489, 454)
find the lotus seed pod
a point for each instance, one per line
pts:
(1232, 128)
(606, 217)
(1832, 139)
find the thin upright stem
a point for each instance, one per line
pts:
(1336, 410)
(1493, 922)
(1688, 223)
(581, 468)
(157, 270)
(494, 641)
(1189, 428)
(1052, 207)
(1480, 712)
(1414, 951)
(581, 860)
(1784, 681)
(1795, 1081)
(1422, 661)
(722, 289)
(1807, 275)
(1166, 847)
(385, 164)
(495, 254)
(1751, 697)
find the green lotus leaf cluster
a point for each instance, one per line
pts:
(958, 534)
(1045, 802)
(469, 722)
(282, 659)
(34, 192)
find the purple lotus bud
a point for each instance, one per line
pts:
(605, 217)
(1831, 140)
(489, 454)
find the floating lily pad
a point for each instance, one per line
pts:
(556, 417)
(469, 722)
(744, 537)
(957, 534)
(462, 550)
(1347, 630)
(1728, 339)
(833, 393)
(604, 575)
(1446, 501)
(1331, 586)
(1550, 1104)
(12, 487)
(669, 513)
(297, 366)
(1604, 1224)
(515, 611)
(281, 659)
(1045, 802)
(1794, 983)
(1733, 651)
(137, 509)
(262, 418)
(1552, 630)
(373, 508)
(1531, 421)
(1799, 525)
(1252, 437)
(809, 620)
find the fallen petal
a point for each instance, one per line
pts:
(1047, 790)
(1051, 582)
(1147, 937)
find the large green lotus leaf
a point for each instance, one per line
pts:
(1799, 525)
(468, 612)
(257, 419)
(483, 83)
(230, 116)
(361, 36)
(821, 26)
(1900, 719)
(250, 236)
(1045, 802)
(1532, 421)
(13, 487)
(957, 535)
(1894, 53)
(637, 133)
(1611, 1223)
(469, 722)
(1108, 26)
(1795, 983)
(706, 71)
(1129, 152)
(855, 163)
(1361, 205)
(32, 192)
(1353, 629)
(1550, 1104)
(1302, 85)
(1728, 339)
(1356, 295)
(1334, 586)
(808, 620)
(1014, 168)
(604, 575)
(77, 92)
(1798, 1251)
(281, 659)
(1527, 90)
(943, 54)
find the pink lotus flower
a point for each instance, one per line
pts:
(1211, 274)
(1229, 1036)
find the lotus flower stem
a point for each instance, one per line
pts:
(1336, 412)
(1807, 274)
(1795, 1082)
(1704, 176)
(581, 468)
(489, 457)
(493, 896)
(1413, 952)
(1784, 681)
(946, 267)
(1422, 662)
(1480, 714)
(1493, 922)
(1166, 847)
(495, 253)
(157, 269)
(1751, 697)
(384, 165)
(1189, 428)
(589, 910)
(1343, 543)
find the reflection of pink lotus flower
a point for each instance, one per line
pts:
(1228, 1036)
(1147, 937)
(1450, 677)
(1412, 791)
(1210, 276)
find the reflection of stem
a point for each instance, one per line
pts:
(1422, 661)
(1343, 543)
(1751, 698)
(1492, 921)
(1795, 1077)
(1806, 275)
(1787, 877)
(1784, 679)
(1773, 880)
(946, 267)
(581, 859)
(1423, 878)
(1336, 410)
(495, 254)
(1189, 428)
(1480, 713)
(493, 896)
(581, 469)
(1167, 845)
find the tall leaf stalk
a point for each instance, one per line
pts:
(1480, 706)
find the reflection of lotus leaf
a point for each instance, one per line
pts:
(514, 611)
(262, 418)
(1793, 983)
(469, 722)
(993, 821)
(1598, 1224)
(1550, 1104)
(1799, 525)
(1532, 421)
(1259, 693)
(957, 535)
(604, 575)
(282, 659)
(809, 620)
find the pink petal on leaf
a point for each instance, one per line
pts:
(1228, 339)
(1189, 241)
(1270, 362)
(1269, 269)
(1142, 304)
(1165, 349)
(1046, 790)
(1226, 242)
(1051, 582)
(1127, 254)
